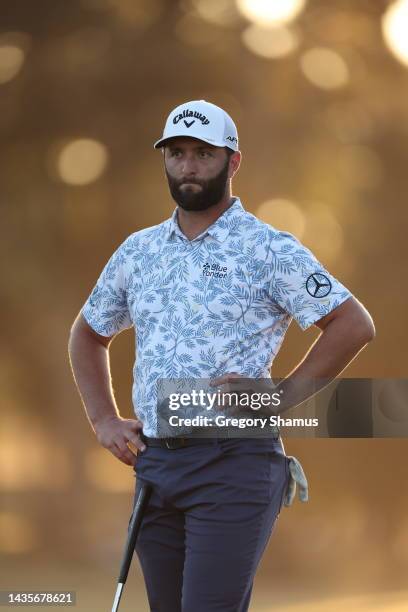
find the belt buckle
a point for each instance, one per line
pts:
(169, 442)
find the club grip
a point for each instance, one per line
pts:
(134, 526)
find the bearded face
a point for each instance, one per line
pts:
(194, 191)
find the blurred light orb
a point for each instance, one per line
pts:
(82, 161)
(11, 62)
(282, 214)
(17, 534)
(270, 42)
(16, 473)
(324, 68)
(269, 12)
(394, 25)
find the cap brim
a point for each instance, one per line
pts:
(162, 142)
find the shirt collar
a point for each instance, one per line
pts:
(218, 230)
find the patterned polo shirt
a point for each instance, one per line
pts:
(200, 308)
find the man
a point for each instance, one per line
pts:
(211, 292)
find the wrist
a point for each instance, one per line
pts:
(104, 419)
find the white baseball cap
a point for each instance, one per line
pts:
(203, 120)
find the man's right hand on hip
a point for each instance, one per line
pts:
(115, 432)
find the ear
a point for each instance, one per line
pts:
(234, 163)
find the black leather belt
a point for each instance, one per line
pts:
(174, 443)
(179, 442)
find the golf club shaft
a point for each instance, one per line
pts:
(133, 530)
(118, 595)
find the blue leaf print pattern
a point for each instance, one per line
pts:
(219, 303)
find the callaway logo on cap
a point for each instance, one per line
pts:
(202, 120)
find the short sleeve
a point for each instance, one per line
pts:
(106, 309)
(300, 284)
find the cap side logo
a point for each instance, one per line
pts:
(189, 113)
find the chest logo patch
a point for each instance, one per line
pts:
(215, 270)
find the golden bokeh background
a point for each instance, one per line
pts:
(319, 93)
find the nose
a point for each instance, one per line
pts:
(188, 166)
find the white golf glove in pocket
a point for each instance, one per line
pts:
(296, 478)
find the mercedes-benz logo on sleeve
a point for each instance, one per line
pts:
(318, 285)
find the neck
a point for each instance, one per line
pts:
(193, 222)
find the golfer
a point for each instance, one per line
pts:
(210, 293)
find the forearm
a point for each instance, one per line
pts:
(91, 370)
(333, 350)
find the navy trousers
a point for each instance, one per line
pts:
(210, 516)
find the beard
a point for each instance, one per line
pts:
(211, 192)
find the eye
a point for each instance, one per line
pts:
(174, 153)
(205, 154)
